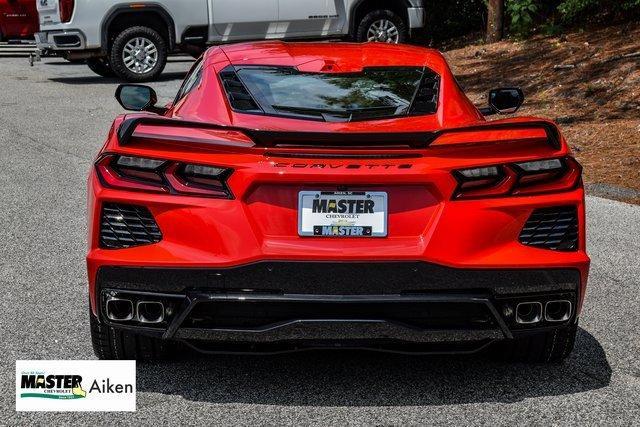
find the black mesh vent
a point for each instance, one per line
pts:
(123, 226)
(552, 228)
(238, 95)
(426, 99)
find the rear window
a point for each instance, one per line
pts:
(374, 93)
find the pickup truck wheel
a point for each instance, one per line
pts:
(538, 347)
(115, 344)
(138, 54)
(100, 66)
(382, 26)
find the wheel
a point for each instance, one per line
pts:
(114, 344)
(382, 26)
(138, 54)
(539, 347)
(100, 66)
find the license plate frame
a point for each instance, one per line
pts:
(357, 221)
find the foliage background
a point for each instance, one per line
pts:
(448, 19)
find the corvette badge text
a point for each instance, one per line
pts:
(75, 385)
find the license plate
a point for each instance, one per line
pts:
(342, 213)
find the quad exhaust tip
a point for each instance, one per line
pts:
(119, 309)
(528, 313)
(557, 311)
(150, 311)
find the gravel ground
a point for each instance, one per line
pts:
(53, 120)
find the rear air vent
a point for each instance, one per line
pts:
(426, 99)
(123, 226)
(552, 228)
(238, 95)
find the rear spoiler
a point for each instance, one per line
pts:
(275, 139)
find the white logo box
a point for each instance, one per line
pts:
(76, 385)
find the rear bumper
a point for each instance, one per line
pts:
(271, 307)
(63, 40)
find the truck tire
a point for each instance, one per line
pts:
(100, 66)
(138, 54)
(382, 25)
(539, 347)
(114, 344)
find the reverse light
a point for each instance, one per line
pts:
(139, 162)
(541, 165)
(163, 176)
(523, 178)
(479, 173)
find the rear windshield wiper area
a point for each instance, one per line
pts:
(342, 115)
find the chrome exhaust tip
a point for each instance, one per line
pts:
(150, 311)
(557, 310)
(528, 312)
(119, 309)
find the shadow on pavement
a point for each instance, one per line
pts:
(350, 378)
(174, 60)
(92, 80)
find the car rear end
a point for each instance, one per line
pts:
(68, 26)
(264, 239)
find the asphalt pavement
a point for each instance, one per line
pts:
(53, 120)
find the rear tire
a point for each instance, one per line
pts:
(382, 25)
(540, 347)
(115, 344)
(100, 66)
(138, 54)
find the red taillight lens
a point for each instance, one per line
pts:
(484, 182)
(547, 175)
(198, 180)
(524, 178)
(131, 173)
(66, 9)
(163, 176)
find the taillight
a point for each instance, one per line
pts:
(198, 180)
(539, 176)
(132, 173)
(163, 176)
(66, 9)
(547, 175)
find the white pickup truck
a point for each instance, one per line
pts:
(131, 40)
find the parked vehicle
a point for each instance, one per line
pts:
(132, 41)
(312, 195)
(18, 19)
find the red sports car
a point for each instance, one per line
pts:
(323, 195)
